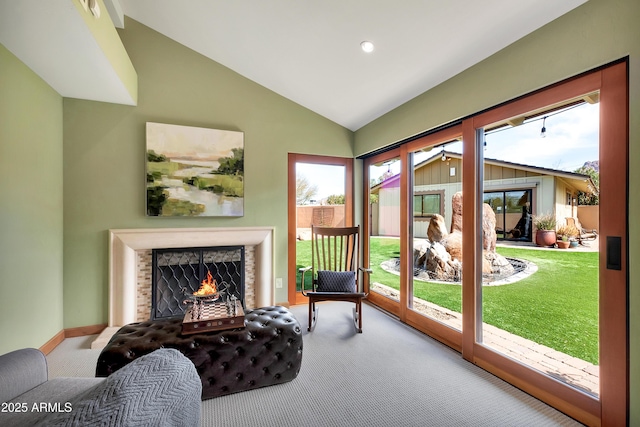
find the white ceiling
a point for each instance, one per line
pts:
(307, 50)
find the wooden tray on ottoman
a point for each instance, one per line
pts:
(214, 317)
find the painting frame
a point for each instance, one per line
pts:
(193, 171)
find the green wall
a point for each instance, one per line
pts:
(30, 207)
(104, 158)
(594, 34)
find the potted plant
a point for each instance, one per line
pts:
(563, 242)
(567, 235)
(546, 229)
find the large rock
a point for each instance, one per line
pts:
(453, 244)
(440, 265)
(456, 212)
(496, 264)
(420, 248)
(489, 236)
(437, 229)
(441, 253)
(434, 259)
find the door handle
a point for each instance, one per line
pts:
(614, 253)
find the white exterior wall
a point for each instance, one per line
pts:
(389, 212)
(563, 210)
(545, 196)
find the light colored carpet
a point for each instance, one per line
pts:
(390, 375)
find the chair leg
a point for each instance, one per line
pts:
(313, 315)
(357, 316)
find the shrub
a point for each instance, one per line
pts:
(568, 231)
(545, 221)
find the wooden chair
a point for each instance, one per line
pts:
(585, 235)
(334, 271)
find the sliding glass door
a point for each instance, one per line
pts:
(414, 274)
(539, 301)
(385, 174)
(435, 235)
(470, 271)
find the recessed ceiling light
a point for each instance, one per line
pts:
(367, 46)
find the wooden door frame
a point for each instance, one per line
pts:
(388, 304)
(612, 406)
(437, 330)
(295, 297)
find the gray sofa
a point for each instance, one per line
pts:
(161, 388)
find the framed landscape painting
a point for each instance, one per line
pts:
(194, 171)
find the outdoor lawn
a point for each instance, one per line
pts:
(556, 307)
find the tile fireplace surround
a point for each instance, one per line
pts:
(124, 243)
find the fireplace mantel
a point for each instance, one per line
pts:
(124, 243)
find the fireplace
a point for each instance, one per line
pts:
(178, 273)
(131, 248)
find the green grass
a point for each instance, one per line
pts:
(303, 259)
(556, 307)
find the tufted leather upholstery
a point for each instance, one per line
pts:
(268, 351)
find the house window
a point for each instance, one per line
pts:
(425, 205)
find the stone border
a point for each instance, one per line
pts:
(530, 268)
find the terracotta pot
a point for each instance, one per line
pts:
(546, 238)
(562, 244)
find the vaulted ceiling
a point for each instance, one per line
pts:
(307, 51)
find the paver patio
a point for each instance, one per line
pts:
(570, 370)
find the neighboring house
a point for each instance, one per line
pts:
(514, 191)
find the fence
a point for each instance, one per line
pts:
(326, 216)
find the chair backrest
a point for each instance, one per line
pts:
(571, 221)
(334, 248)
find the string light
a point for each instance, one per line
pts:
(503, 128)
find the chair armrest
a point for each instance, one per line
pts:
(302, 271)
(20, 371)
(361, 285)
(161, 388)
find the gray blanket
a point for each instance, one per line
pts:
(161, 388)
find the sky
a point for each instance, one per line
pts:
(571, 140)
(329, 179)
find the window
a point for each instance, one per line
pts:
(425, 205)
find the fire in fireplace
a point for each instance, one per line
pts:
(178, 274)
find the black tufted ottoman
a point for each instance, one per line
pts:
(267, 352)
